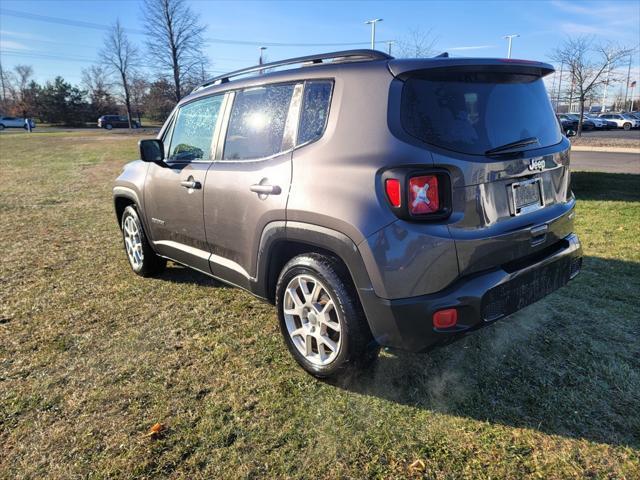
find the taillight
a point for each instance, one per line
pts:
(423, 195)
(445, 318)
(392, 188)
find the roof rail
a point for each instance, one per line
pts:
(344, 55)
(442, 55)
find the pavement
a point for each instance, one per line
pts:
(608, 162)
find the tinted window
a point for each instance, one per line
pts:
(193, 130)
(315, 109)
(257, 122)
(472, 112)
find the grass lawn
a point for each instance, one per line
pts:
(91, 356)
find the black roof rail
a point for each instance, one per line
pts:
(344, 55)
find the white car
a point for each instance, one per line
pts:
(11, 122)
(622, 120)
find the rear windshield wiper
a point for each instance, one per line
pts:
(513, 145)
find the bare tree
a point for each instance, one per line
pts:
(418, 43)
(95, 79)
(588, 64)
(120, 57)
(175, 40)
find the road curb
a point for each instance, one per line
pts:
(585, 148)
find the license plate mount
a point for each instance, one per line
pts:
(526, 196)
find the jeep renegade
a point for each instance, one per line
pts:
(375, 201)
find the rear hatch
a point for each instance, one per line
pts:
(491, 125)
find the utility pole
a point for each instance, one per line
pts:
(4, 93)
(373, 31)
(633, 88)
(389, 43)
(510, 39)
(559, 87)
(626, 90)
(261, 60)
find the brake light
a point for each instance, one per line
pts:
(445, 318)
(423, 195)
(392, 188)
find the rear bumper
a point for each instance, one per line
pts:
(480, 298)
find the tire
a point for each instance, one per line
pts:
(108, 126)
(627, 126)
(134, 126)
(142, 259)
(1, 127)
(336, 311)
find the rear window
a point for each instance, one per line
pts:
(472, 112)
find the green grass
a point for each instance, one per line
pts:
(91, 356)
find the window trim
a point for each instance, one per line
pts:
(292, 112)
(326, 120)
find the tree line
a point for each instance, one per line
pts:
(119, 81)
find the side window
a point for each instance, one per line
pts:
(257, 122)
(193, 130)
(315, 109)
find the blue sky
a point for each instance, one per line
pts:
(35, 32)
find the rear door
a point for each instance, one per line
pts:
(497, 135)
(174, 191)
(247, 186)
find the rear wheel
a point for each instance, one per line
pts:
(108, 126)
(142, 258)
(627, 126)
(321, 318)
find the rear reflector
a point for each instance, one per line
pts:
(423, 195)
(445, 318)
(392, 188)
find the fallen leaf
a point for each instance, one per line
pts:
(417, 466)
(155, 430)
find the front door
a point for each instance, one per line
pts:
(174, 191)
(248, 185)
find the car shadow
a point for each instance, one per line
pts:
(568, 365)
(180, 274)
(606, 186)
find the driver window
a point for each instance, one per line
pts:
(193, 130)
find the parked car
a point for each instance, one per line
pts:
(116, 121)
(621, 120)
(406, 214)
(13, 122)
(600, 123)
(574, 120)
(567, 123)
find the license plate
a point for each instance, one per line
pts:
(526, 196)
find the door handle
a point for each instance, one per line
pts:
(190, 184)
(261, 189)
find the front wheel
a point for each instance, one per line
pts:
(143, 260)
(321, 318)
(627, 126)
(108, 126)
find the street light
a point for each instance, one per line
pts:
(510, 38)
(373, 31)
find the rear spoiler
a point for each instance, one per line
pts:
(404, 68)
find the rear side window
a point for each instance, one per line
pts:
(193, 130)
(473, 112)
(315, 109)
(257, 122)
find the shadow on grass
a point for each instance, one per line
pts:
(568, 365)
(180, 274)
(606, 186)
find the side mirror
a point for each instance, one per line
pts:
(151, 150)
(571, 133)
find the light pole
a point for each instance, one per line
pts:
(373, 31)
(389, 43)
(510, 39)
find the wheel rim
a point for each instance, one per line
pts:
(133, 242)
(312, 320)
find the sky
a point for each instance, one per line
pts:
(63, 37)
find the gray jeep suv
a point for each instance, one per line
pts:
(375, 201)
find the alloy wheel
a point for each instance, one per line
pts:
(133, 242)
(312, 319)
